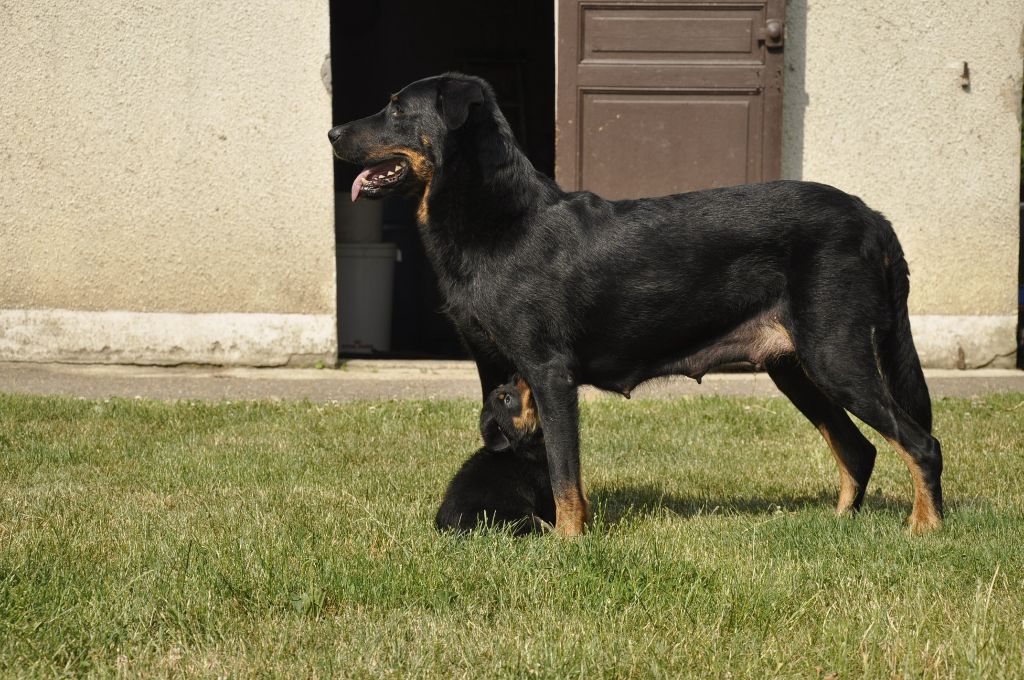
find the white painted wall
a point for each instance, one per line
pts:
(873, 104)
(165, 158)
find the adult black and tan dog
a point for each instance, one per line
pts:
(506, 482)
(570, 289)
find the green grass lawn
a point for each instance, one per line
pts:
(237, 539)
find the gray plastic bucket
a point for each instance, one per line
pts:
(366, 273)
(359, 222)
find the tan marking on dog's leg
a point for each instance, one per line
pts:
(924, 516)
(848, 487)
(571, 509)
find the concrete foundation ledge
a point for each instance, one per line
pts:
(166, 338)
(240, 339)
(954, 341)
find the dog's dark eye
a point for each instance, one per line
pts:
(395, 111)
(508, 400)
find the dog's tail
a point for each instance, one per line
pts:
(896, 352)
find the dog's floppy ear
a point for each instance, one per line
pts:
(455, 97)
(494, 438)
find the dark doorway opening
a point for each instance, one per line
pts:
(376, 48)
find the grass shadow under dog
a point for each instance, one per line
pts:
(615, 504)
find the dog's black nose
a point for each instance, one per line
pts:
(334, 133)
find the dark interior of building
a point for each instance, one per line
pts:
(376, 48)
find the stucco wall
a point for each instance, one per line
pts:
(167, 157)
(170, 160)
(873, 104)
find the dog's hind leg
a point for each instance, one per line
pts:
(854, 454)
(843, 364)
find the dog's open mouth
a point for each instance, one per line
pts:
(377, 180)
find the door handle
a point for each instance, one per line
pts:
(772, 34)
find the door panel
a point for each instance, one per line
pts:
(658, 97)
(655, 162)
(668, 34)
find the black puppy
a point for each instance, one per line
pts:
(506, 482)
(569, 289)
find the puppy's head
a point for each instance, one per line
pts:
(509, 418)
(400, 146)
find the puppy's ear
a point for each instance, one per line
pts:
(455, 97)
(494, 438)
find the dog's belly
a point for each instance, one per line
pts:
(755, 340)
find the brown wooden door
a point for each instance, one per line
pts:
(659, 97)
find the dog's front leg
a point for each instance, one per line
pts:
(492, 373)
(492, 367)
(556, 395)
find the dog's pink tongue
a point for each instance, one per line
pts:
(358, 184)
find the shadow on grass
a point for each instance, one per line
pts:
(615, 504)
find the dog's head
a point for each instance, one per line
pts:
(400, 146)
(509, 418)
